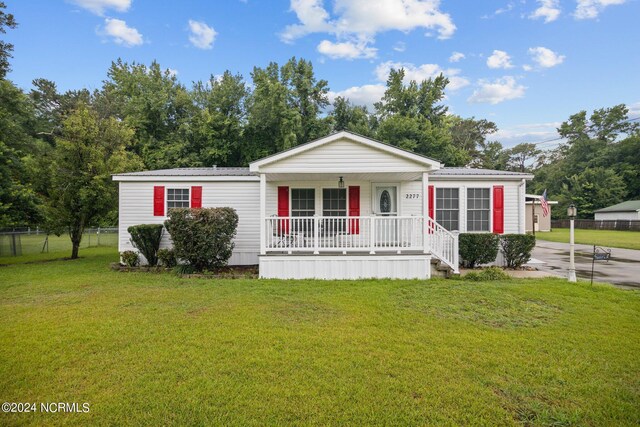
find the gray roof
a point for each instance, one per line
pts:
(628, 206)
(476, 172)
(212, 171)
(244, 171)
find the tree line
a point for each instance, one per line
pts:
(59, 149)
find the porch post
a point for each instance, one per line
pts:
(263, 214)
(425, 213)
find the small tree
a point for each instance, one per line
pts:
(203, 237)
(80, 188)
(517, 248)
(146, 238)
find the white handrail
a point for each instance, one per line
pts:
(443, 244)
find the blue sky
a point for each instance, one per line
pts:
(527, 65)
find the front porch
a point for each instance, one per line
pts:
(325, 216)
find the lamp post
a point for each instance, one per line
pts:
(571, 213)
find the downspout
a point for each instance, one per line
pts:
(522, 228)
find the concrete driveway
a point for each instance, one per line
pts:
(623, 269)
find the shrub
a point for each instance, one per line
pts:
(488, 274)
(477, 248)
(146, 238)
(203, 237)
(130, 258)
(167, 258)
(517, 248)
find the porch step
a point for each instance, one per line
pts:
(439, 268)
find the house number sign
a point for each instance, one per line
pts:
(412, 196)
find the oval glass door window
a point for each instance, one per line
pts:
(385, 202)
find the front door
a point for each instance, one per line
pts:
(385, 205)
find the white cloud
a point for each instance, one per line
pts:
(499, 59)
(400, 47)
(365, 95)
(508, 8)
(527, 67)
(172, 72)
(529, 132)
(121, 34)
(202, 36)
(99, 6)
(346, 50)
(500, 90)
(590, 9)
(456, 57)
(548, 9)
(545, 58)
(358, 21)
(422, 72)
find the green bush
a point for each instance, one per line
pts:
(477, 248)
(146, 238)
(167, 258)
(130, 258)
(488, 274)
(517, 248)
(203, 237)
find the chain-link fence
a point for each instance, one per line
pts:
(26, 241)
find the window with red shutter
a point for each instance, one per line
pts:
(158, 200)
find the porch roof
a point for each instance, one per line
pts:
(343, 152)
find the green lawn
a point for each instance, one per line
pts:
(608, 238)
(58, 246)
(153, 349)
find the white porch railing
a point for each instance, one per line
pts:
(372, 234)
(443, 244)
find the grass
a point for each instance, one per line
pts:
(153, 349)
(607, 238)
(59, 246)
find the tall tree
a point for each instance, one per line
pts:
(89, 150)
(522, 154)
(152, 102)
(6, 21)
(470, 134)
(353, 118)
(410, 117)
(284, 108)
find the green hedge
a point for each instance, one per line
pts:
(146, 238)
(167, 257)
(477, 248)
(517, 248)
(203, 237)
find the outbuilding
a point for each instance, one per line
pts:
(629, 210)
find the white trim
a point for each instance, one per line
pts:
(398, 196)
(437, 178)
(433, 164)
(182, 178)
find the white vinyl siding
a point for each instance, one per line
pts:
(136, 207)
(344, 155)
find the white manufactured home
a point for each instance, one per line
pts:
(341, 207)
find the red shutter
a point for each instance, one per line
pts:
(158, 200)
(498, 209)
(196, 197)
(431, 202)
(354, 209)
(283, 209)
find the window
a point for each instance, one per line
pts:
(303, 202)
(478, 208)
(334, 202)
(177, 198)
(447, 208)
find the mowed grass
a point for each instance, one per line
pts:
(607, 238)
(58, 246)
(154, 349)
